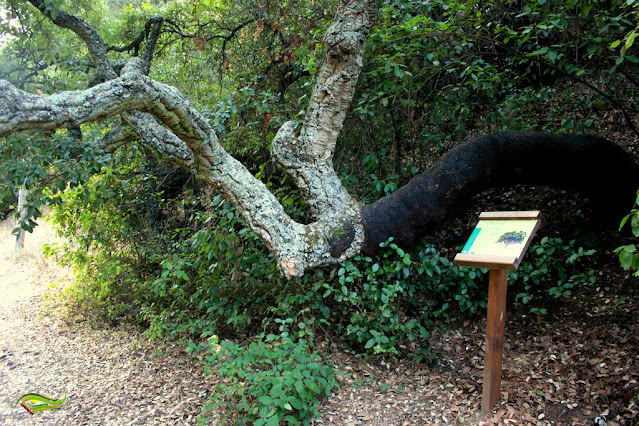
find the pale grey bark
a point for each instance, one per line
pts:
(307, 154)
(166, 123)
(23, 193)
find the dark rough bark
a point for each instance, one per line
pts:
(599, 169)
(84, 31)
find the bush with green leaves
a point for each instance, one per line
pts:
(45, 165)
(629, 254)
(273, 379)
(552, 267)
(390, 300)
(394, 299)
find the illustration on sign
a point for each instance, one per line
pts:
(512, 237)
(499, 237)
(33, 402)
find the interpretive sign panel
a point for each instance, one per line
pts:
(499, 240)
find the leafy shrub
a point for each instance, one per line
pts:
(391, 300)
(552, 267)
(628, 254)
(272, 379)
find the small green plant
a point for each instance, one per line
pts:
(628, 254)
(372, 297)
(551, 268)
(271, 380)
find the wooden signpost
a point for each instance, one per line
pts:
(498, 242)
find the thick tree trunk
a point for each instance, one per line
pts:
(597, 168)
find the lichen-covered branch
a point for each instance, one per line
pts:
(169, 125)
(306, 153)
(158, 139)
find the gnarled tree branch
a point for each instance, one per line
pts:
(90, 37)
(307, 154)
(599, 169)
(297, 247)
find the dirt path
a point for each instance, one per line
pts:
(109, 379)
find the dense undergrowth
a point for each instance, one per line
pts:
(196, 272)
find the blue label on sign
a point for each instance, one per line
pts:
(471, 240)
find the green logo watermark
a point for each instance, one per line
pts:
(33, 402)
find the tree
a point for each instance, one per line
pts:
(169, 126)
(22, 213)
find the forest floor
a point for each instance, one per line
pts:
(110, 377)
(577, 365)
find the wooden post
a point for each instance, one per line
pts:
(497, 288)
(498, 242)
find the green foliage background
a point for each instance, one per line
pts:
(152, 247)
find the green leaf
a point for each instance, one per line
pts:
(265, 399)
(630, 39)
(292, 420)
(275, 420)
(296, 403)
(624, 220)
(626, 259)
(313, 366)
(312, 386)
